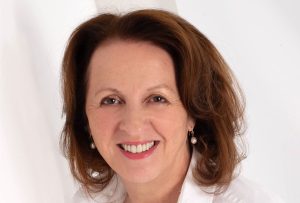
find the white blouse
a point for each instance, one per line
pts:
(240, 190)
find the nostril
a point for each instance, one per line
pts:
(132, 127)
(133, 120)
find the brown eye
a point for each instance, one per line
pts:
(110, 101)
(158, 99)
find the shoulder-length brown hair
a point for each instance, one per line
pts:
(205, 83)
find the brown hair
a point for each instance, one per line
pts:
(205, 83)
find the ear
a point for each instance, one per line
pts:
(87, 129)
(190, 123)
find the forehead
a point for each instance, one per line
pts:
(128, 51)
(123, 60)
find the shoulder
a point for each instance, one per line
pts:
(243, 190)
(114, 192)
(81, 197)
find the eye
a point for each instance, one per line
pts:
(110, 101)
(158, 99)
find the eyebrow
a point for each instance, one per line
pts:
(161, 86)
(107, 89)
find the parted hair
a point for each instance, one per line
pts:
(206, 85)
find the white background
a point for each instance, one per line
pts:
(259, 39)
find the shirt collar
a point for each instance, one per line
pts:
(192, 192)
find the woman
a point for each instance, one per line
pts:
(152, 113)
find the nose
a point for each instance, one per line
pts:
(133, 120)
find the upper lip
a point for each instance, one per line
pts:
(136, 142)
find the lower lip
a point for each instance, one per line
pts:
(141, 155)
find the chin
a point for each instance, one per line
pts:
(140, 175)
(140, 179)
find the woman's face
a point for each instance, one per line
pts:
(135, 115)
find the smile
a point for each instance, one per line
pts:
(138, 150)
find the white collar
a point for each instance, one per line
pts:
(191, 192)
(239, 190)
(115, 191)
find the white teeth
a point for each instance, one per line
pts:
(138, 148)
(133, 148)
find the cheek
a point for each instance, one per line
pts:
(171, 123)
(102, 124)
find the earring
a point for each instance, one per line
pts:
(92, 145)
(193, 138)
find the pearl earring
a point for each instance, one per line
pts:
(92, 145)
(193, 138)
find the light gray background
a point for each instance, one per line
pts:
(259, 39)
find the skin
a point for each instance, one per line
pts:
(132, 97)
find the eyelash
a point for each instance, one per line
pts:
(115, 101)
(160, 99)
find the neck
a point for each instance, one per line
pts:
(165, 188)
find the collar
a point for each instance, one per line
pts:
(191, 192)
(114, 192)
